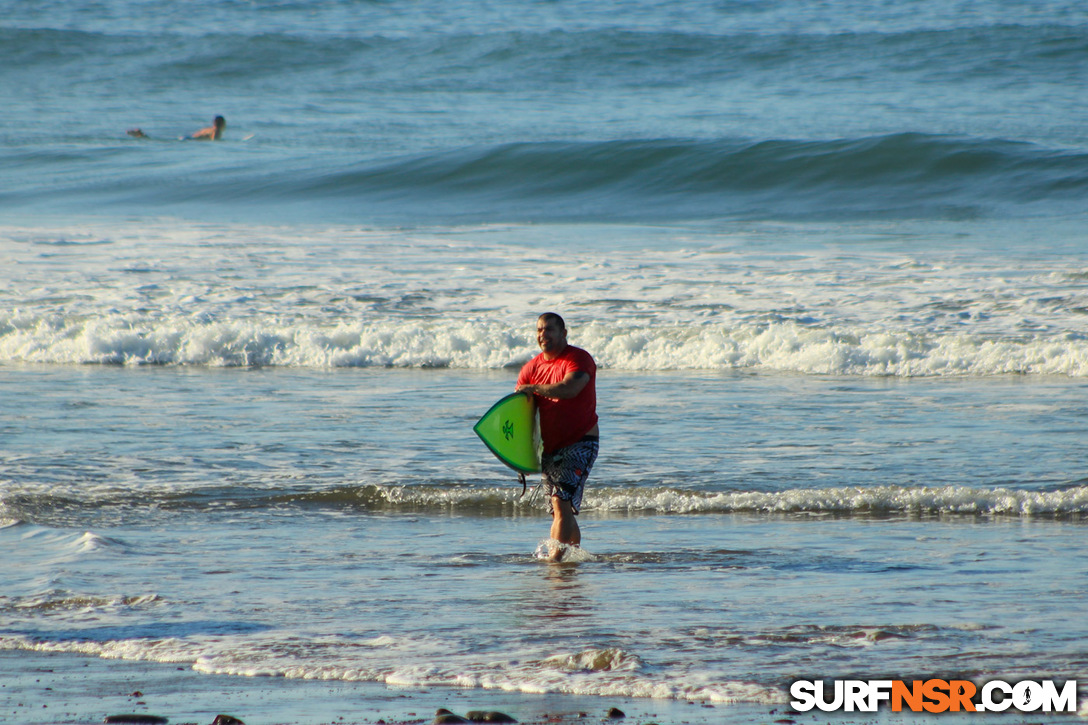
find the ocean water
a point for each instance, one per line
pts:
(830, 259)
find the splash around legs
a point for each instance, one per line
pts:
(565, 529)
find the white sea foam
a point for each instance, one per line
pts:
(600, 672)
(55, 600)
(779, 346)
(596, 660)
(649, 500)
(877, 499)
(170, 650)
(603, 672)
(334, 298)
(953, 500)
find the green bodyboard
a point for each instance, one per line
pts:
(510, 430)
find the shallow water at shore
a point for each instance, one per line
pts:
(345, 525)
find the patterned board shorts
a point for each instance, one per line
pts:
(565, 471)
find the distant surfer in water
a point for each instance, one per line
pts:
(562, 381)
(211, 133)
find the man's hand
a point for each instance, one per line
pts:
(567, 388)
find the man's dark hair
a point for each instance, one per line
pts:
(552, 317)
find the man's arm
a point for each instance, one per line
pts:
(567, 388)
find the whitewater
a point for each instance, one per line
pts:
(222, 296)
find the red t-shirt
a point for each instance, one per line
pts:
(563, 422)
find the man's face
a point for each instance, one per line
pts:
(550, 337)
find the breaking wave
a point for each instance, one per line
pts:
(777, 347)
(890, 500)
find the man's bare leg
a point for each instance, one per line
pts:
(564, 527)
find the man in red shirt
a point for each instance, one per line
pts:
(562, 381)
